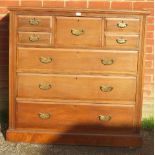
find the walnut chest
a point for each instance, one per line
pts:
(76, 76)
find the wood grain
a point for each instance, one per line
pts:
(132, 25)
(131, 41)
(40, 39)
(76, 61)
(90, 37)
(129, 140)
(12, 69)
(34, 23)
(27, 10)
(63, 76)
(76, 87)
(140, 78)
(78, 118)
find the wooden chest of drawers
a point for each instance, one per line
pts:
(76, 76)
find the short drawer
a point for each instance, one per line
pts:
(78, 32)
(68, 118)
(122, 25)
(34, 23)
(47, 86)
(76, 61)
(34, 39)
(121, 41)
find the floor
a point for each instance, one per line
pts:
(8, 148)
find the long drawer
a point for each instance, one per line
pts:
(75, 118)
(52, 86)
(76, 61)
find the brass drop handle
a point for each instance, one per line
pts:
(104, 117)
(34, 38)
(34, 21)
(122, 24)
(77, 32)
(121, 41)
(107, 61)
(44, 115)
(45, 86)
(45, 60)
(106, 88)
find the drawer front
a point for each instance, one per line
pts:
(78, 32)
(122, 24)
(34, 23)
(75, 118)
(104, 88)
(34, 39)
(122, 42)
(76, 61)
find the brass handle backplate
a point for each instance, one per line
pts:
(34, 21)
(104, 117)
(44, 115)
(121, 41)
(122, 24)
(34, 38)
(77, 32)
(107, 61)
(106, 88)
(45, 60)
(45, 86)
